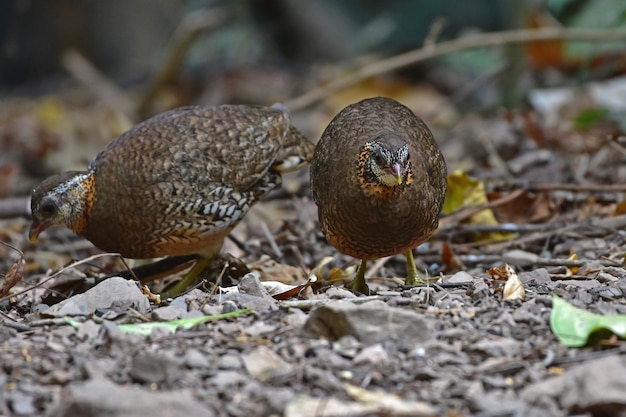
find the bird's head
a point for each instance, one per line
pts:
(385, 161)
(63, 199)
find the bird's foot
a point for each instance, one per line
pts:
(414, 279)
(358, 284)
(188, 279)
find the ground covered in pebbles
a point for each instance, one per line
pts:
(452, 347)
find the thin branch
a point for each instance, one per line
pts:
(443, 48)
(105, 89)
(190, 28)
(59, 272)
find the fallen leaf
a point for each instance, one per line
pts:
(465, 191)
(145, 329)
(513, 287)
(14, 274)
(574, 327)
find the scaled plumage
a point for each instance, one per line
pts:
(379, 180)
(175, 184)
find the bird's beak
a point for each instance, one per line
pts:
(397, 171)
(35, 229)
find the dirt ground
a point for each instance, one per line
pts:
(452, 347)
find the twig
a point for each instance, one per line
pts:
(467, 212)
(579, 188)
(94, 80)
(14, 207)
(59, 272)
(272, 242)
(443, 48)
(191, 27)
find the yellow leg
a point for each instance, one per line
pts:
(412, 276)
(358, 284)
(188, 279)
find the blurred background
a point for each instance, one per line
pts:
(76, 73)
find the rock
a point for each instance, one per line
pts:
(520, 258)
(338, 293)
(112, 292)
(538, 276)
(374, 354)
(168, 313)
(195, 359)
(497, 347)
(461, 277)
(246, 301)
(371, 322)
(229, 361)
(595, 388)
(263, 364)
(225, 379)
(102, 398)
(579, 283)
(153, 367)
(347, 346)
(251, 284)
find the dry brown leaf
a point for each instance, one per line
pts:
(15, 273)
(513, 287)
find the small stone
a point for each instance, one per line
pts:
(603, 277)
(374, 354)
(479, 290)
(520, 258)
(370, 323)
(263, 364)
(497, 347)
(586, 284)
(168, 313)
(225, 379)
(195, 359)
(112, 292)
(229, 362)
(153, 367)
(538, 276)
(251, 285)
(461, 277)
(101, 398)
(337, 293)
(596, 388)
(347, 346)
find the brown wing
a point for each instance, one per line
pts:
(185, 174)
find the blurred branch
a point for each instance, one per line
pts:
(191, 27)
(467, 42)
(84, 71)
(14, 207)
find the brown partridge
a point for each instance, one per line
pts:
(176, 184)
(379, 181)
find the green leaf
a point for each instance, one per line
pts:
(588, 117)
(573, 326)
(146, 328)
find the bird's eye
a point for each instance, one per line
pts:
(379, 159)
(48, 209)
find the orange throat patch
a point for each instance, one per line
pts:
(84, 193)
(373, 187)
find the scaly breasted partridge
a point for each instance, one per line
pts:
(379, 181)
(175, 184)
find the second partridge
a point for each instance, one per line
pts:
(379, 181)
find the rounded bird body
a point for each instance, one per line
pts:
(379, 180)
(175, 184)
